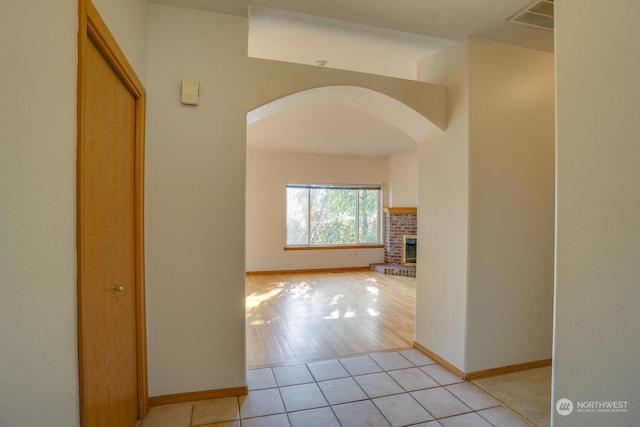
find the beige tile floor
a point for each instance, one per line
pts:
(395, 388)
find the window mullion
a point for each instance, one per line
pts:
(380, 218)
(357, 230)
(308, 216)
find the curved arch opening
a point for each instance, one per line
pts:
(390, 110)
(267, 173)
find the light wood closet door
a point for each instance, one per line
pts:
(106, 218)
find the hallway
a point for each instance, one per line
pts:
(397, 388)
(333, 348)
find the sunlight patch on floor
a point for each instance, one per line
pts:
(300, 289)
(255, 299)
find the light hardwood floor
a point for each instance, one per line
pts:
(301, 317)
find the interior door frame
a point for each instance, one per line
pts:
(92, 29)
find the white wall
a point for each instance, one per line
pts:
(267, 175)
(403, 179)
(485, 212)
(38, 338)
(597, 341)
(37, 214)
(443, 194)
(195, 198)
(195, 202)
(511, 207)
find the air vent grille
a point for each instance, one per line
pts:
(537, 14)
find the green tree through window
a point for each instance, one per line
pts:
(323, 215)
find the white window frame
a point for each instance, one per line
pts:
(309, 187)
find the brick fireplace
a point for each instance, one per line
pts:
(399, 222)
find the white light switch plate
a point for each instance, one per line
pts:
(190, 91)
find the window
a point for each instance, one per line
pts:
(324, 215)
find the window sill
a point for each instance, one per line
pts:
(322, 248)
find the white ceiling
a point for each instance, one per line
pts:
(384, 37)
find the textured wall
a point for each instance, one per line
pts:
(597, 340)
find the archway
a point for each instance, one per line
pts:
(265, 230)
(385, 107)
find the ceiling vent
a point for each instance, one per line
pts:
(537, 14)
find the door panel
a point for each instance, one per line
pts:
(106, 219)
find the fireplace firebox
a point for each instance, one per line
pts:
(409, 249)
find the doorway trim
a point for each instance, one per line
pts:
(92, 29)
